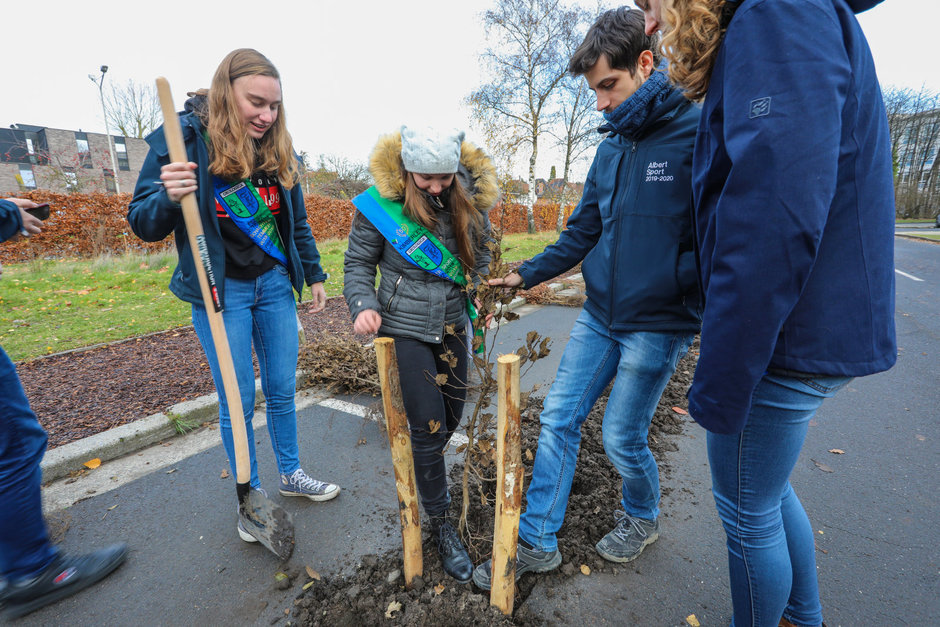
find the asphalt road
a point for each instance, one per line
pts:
(874, 506)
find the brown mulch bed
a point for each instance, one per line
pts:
(84, 392)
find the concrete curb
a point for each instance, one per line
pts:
(119, 441)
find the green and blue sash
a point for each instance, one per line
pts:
(247, 209)
(413, 242)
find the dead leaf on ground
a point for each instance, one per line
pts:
(393, 607)
(224, 474)
(439, 588)
(312, 573)
(822, 466)
(528, 454)
(837, 451)
(585, 569)
(92, 463)
(692, 621)
(680, 411)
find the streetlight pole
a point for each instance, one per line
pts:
(100, 83)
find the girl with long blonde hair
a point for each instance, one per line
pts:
(244, 172)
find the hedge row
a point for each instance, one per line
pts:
(88, 225)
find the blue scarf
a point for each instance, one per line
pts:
(631, 115)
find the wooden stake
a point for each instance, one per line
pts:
(399, 437)
(509, 474)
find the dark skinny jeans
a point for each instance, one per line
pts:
(418, 365)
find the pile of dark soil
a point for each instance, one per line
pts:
(376, 592)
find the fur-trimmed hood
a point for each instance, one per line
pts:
(477, 172)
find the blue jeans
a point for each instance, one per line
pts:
(771, 546)
(262, 312)
(642, 363)
(25, 549)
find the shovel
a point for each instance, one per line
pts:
(267, 522)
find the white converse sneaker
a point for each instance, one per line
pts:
(299, 484)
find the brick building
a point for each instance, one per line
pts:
(37, 157)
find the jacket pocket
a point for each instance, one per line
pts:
(391, 297)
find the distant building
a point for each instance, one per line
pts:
(517, 190)
(551, 190)
(38, 157)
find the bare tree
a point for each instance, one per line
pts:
(914, 122)
(133, 108)
(338, 177)
(527, 59)
(578, 125)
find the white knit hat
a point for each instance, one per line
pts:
(429, 151)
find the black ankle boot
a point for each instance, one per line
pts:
(454, 556)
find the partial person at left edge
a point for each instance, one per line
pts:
(35, 573)
(244, 173)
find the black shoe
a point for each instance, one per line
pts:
(65, 576)
(454, 556)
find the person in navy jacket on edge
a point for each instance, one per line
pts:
(794, 219)
(33, 571)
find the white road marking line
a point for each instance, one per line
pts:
(343, 406)
(910, 276)
(457, 439)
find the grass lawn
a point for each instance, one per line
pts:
(933, 236)
(48, 306)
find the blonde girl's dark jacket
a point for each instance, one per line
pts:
(412, 302)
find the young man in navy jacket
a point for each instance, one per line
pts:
(632, 231)
(34, 573)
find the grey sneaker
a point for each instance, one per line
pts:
(527, 561)
(628, 539)
(299, 484)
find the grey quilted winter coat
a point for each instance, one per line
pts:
(414, 303)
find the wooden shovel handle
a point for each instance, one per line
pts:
(174, 140)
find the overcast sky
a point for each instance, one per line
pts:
(351, 70)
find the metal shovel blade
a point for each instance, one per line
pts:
(268, 523)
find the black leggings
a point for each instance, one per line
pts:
(418, 364)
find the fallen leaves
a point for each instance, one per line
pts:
(680, 411)
(837, 451)
(225, 474)
(692, 621)
(823, 467)
(92, 463)
(393, 607)
(312, 573)
(585, 569)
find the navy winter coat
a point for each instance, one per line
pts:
(633, 230)
(794, 206)
(10, 220)
(153, 216)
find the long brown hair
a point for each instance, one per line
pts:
(466, 219)
(691, 42)
(233, 154)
